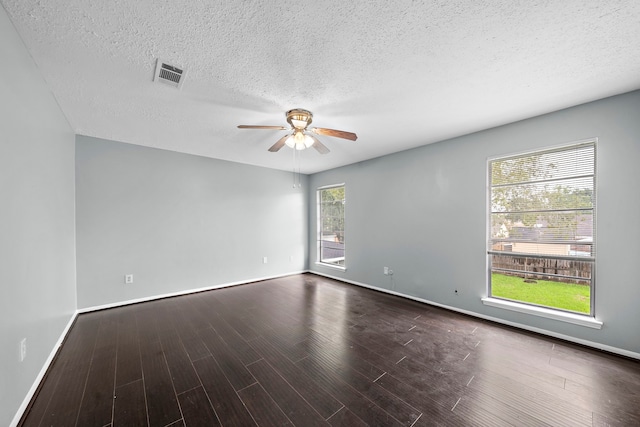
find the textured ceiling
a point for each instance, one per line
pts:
(400, 73)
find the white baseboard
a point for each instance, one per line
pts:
(43, 371)
(184, 292)
(596, 345)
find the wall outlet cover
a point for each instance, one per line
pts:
(23, 349)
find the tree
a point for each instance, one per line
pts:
(518, 201)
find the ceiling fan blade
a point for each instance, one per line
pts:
(278, 145)
(261, 127)
(335, 133)
(322, 149)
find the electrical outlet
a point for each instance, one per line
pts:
(23, 349)
(128, 278)
(264, 260)
(386, 271)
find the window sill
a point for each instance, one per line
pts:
(333, 266)
(548, 313)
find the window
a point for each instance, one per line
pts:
(331, 202)
(541, 246)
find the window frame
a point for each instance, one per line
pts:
(320, 224)
(584, 319)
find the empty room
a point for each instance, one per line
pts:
(319, 213)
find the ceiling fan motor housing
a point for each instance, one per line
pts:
(299, 118)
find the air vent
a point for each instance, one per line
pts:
(169, 74)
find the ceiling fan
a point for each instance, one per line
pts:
(300, 136)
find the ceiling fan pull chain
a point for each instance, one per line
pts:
(294, 168)
(299, 168)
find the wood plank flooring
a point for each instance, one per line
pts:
(309, 351)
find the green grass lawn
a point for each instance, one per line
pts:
(564, 296)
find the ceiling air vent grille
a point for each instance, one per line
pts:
(169, 74)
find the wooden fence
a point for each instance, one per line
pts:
(540, 268)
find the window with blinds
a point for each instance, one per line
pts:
(331, 246)
(542, 228)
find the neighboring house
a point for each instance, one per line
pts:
(542, 239)
(541, 248)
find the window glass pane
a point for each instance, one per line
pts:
(331, 243)
(542, 205)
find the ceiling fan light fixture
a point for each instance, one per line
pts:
(308, 141)
(290, 142)
(298, 124)
(299, 140)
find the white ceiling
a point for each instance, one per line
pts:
(400, 74)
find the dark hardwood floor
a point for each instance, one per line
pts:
(306, 351)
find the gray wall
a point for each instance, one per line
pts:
(37, 241)
(422, 212)
(179, 222)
